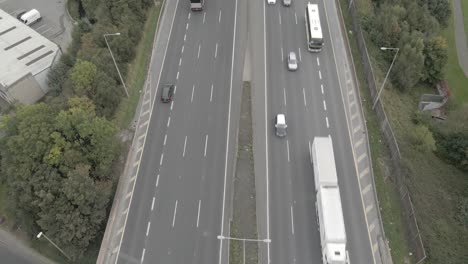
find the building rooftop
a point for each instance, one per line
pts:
(22, 50)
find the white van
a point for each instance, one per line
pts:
(30, 17)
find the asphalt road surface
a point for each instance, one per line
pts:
(312, 101)
(178, 204)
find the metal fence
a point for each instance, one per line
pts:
(412, 229)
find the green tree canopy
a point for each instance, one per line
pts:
(435, 59)
(82, 77)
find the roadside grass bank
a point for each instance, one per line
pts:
(389, 201)
(137, 70)
(435, 186)
(244, 221)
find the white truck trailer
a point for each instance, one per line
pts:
(323, 160)
(332, 228)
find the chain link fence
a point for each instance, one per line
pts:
(409, 217)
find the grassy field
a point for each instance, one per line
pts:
(137, 71)
(456, 79)
(435, 186)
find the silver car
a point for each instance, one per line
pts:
(292, 61)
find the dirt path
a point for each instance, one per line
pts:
(460, 36)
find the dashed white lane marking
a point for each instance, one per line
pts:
(318, 61)
(175, 88)
(321, 87)
(310, 149)
(188, 16)
(177, 77)
(157, 180)
(165, 138)
(198, 216)
(175, 212)
(320, 75)
(206, 143)
(279, 14)
(303, 93)
(284, 93)
(182, 51)
(324, 105)
(161, 159)
(211, 93)
(152, 203)
(287, 147)
(172, 104)
(292, 221)
(168, 121)
(216, 50)
(185, 37)
(186, 27)
(198, 56)
(148, 228)
(300, 58)
(204, 15)
(282, 54)
(185, 145)
(193, 89)
(143, 255)
(180, 61)
(326, 119)
(295, 17)
(219, 17)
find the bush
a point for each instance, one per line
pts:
(454, 149)
(422, 139)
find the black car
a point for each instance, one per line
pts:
(167, 93)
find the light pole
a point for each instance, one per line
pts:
(386, 76)
(113, 59)
(61, 251)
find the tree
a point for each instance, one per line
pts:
(82, 77)
(409, 65)
(108, 94)
(419, 18)
(435, 59)
(388, 25)
(454, 148)
(440, 9)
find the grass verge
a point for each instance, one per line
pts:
(455, 76)
(389, 200)
(137, 70)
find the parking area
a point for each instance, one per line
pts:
(55, 24)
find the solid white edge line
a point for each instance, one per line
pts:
(175, 212)
(206, 143)
(138, 169)
(148, 228)
(185, 145)
(292, 221)
(227, 136)
(211, 93)
(198, 216)
(152, 203)
(349, 134)
(266, 135)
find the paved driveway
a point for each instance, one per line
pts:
(55, 25)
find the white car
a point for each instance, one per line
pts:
(280, 125)
(292, 61)
(271, 2)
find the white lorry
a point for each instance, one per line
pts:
(323, 160)
(328, 205)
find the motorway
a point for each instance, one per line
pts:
(178, 202)
(312, 100)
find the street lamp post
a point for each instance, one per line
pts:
(115, 63)
(386, 76)
(55, 245)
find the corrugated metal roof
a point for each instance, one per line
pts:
(22, 50)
